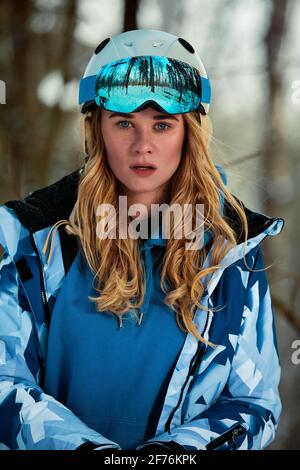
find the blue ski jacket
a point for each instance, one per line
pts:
(222, 398)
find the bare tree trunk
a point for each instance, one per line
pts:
(56, 117)
(17, 130)
(272, 161)
(29, 128)
(130, 14)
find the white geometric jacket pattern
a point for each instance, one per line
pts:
(223, 398)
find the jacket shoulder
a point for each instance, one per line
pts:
(12, 232)
(45, 206)
(40, 209)
(258, 223)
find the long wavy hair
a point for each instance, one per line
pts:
(117, 264)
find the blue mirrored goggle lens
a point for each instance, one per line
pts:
(126, 84)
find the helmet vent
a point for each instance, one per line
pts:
(157, 44)
(128, 43)
(101, 45)
(186, 45)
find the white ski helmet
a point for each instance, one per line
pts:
(143, 67)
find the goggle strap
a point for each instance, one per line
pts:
(87, 88)
(205, 90)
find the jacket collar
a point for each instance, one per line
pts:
(44, 207)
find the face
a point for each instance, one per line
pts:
(147, 137)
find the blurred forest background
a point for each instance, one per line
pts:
(251, 50)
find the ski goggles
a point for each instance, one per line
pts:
(126, 85)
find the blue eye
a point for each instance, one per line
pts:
(166, 126)
(121, 122)
(163, 124)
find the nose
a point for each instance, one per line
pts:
(142, 141)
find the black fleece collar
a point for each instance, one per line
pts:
(44, 207)
(47, 205)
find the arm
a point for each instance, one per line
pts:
(30, 419)
(247, 412)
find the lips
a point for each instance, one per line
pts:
(143, 165)
(143, 171)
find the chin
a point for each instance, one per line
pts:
(140, 186)
(142, 190)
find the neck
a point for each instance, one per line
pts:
(147, 199)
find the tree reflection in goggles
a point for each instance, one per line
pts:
(127, 84)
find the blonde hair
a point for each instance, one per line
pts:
(117, 263)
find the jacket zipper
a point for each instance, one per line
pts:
(42, 285)
(194, 364)
(228, 436)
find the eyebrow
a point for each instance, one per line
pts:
(156, 117)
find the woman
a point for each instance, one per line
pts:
(129, 342)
